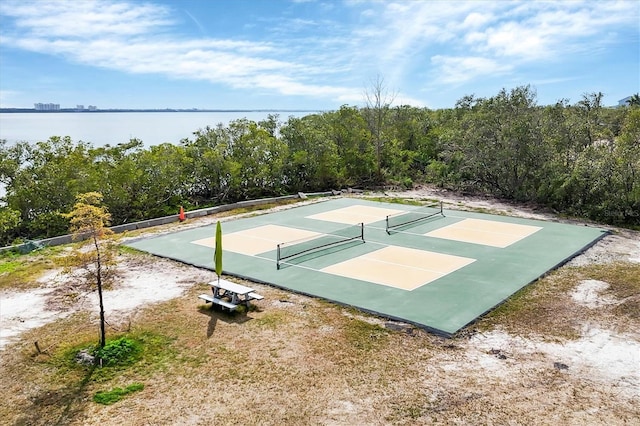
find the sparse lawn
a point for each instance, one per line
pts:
(294, 360)
(544, 309)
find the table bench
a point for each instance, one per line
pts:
(255, 296)
(223, 303)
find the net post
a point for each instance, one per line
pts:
(278, 257)
(387, 225)
(362, 231)
(441, 209)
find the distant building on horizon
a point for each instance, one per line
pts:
(46, 107)
(623, 102)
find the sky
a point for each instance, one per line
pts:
(312, 54)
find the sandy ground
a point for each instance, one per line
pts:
(601, 355)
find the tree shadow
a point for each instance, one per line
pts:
(69, 398)
(213, 320)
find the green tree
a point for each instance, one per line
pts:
(121, 180)
(347, 129)
(627, 157)
(209, 174)
(502, 145)
(256, 161)
(163, 180)
(590, 122)
(313, 163)
(89, 220)
(45, 180)
(412, 144)
(9, 221)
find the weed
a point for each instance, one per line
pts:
(396, 200)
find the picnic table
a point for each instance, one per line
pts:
(229, 295)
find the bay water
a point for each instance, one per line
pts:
(102, 128)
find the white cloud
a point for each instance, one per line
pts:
(466, 40)
(452, 42)
(476, 19)
(131, 37)
(86, 18)
(458, 70)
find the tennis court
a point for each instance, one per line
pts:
(436, 268)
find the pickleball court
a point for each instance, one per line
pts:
(439, 270)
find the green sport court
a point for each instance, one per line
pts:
(438, 271)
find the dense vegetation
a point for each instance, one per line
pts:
(580, 159)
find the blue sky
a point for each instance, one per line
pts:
(312, 54)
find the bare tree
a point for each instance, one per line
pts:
(378, 101)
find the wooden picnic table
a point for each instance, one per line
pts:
(229, 295)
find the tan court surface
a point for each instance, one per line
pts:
(399, 267)
(355, 214)
(441, 273)
(485, 232)
(258, 240)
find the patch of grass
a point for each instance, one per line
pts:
(365, 336)
(22, 272)
(624, 285)
(116, 394)
(623, 278)
(9, 266)
(250, 209)
(270, 320)
(126, 250)
(139, 353)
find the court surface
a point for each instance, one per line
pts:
(441, 273)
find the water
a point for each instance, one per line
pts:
(101, 128)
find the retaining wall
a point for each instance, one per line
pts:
(66, 239)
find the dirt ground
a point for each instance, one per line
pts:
(495, 375)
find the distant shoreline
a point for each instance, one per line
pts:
(34, 111)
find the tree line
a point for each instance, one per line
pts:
(581, 159)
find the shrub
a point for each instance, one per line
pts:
(120, 351)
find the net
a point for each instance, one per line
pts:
(305, 245)
(411, 217)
